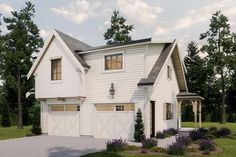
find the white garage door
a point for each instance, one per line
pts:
(114, 121)
(64, 120)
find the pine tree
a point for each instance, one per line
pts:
(119, 31)
(139, 127)
(36, 129)
(220, 51)
(18, 45)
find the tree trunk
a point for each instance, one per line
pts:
(20, 121)
(223, 120)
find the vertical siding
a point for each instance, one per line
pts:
(44, 116)
(69, 86)
(165, 91)
(125, 83)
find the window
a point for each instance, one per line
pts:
(115, 107)
(114, 62)
(120, 108)
(169, 72)
(65, 107)
(168, 111)
(56, 69)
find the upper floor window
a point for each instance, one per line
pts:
(114, 62)
(169, 72)
(56, 69)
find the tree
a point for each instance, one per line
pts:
(219, 53)
(119, 31)
(36, 129)
(21, 41)
(139, 127)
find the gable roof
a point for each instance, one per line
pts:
(168, 50)
(75, 45)
(70, 44)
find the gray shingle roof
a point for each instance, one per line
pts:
(152, 76)
(75, 45)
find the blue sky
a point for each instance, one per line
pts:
(163, 20)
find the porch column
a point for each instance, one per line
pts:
(194, 104)
(178, 109)
(200, 113)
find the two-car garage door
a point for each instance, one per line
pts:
(114, 121)
(64, 120)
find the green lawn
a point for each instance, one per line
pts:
(13, 132)
(228, 144)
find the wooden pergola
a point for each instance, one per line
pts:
(196, 101)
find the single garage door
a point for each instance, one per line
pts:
(114, 121)
(64, 120)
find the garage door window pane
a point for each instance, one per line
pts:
(71, 108)
(105, 107)
(120, 108)
(129, 107)
(57, 108)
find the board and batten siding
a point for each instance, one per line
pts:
(165, 91)
(71, 83)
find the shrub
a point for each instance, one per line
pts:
(191, 149)
(159, 150)
(206, 145)
(116, 145)
(131, 147)
(222, 132)
(139, 127)
(36, 129)
(197, 134)
(184, 140)
(160, 135)
(170, 131)
(231, 118)
(176, 148)
(149, 143)
(143, 151)
(212, 129)
(5, 121)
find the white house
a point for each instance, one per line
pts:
(96, 91)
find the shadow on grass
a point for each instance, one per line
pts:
(103, 154)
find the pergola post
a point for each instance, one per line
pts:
(200, 114)
(178, 107)
(194, 104)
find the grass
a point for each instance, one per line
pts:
(13, 132)
(228, 144)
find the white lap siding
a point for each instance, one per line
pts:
(165, 91)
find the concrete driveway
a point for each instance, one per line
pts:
(50, 146)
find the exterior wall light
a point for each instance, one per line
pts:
(112, 90)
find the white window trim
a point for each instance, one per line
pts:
(172, 108)
(55, 81)
(113, 53)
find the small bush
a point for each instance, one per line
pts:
(205, 145)
(176, 148)
(159, 150)
(191, 149)
(198, 134)
(222, 132)
(144, 151)
(231, 118)
(116, 145)
(139, 127)
(212, 129)
(131, 147)
(184, 140)
(170, 131)
(149, 143)
(160, 135)
(36, 129)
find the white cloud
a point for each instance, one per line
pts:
(77, 11)
(197, 16)
(6, 8)
(44, 33)
(139, 11)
